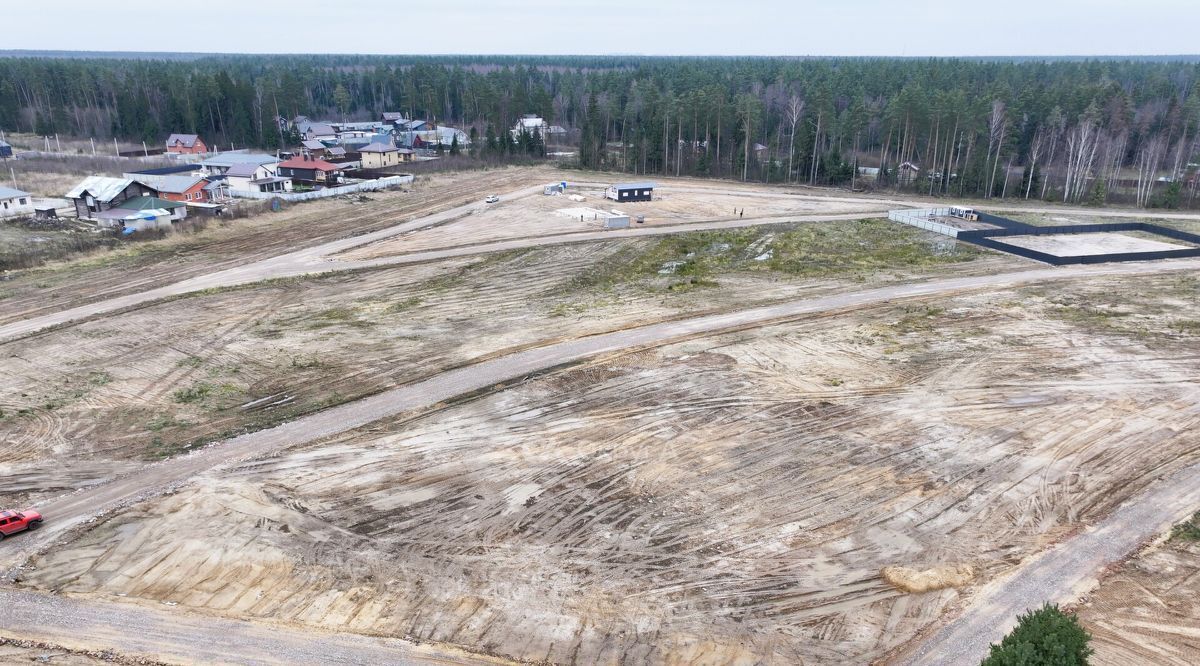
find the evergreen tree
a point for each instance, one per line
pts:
(1044, 637)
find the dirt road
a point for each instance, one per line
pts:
(1062, 574)
(177, 637)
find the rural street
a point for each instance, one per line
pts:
(72, 510)
(176, 637)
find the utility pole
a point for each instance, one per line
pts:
(116, 150)
(93, 146)
(145, 151)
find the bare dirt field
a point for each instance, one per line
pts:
(142, 265)
(1077, 245)
(1147, 610)
(735, 498)
(100, 397)
(675, 203)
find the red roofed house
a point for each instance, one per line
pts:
(310, 171)
(187, 144)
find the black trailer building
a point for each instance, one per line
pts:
(630, 192)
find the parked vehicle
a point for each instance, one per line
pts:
(491, 199)
(12, 522)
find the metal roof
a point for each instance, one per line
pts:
(312, 165)
(318, 129)
(10, 193)
(230, 159)
(644, 185)
(176, 184)
(102, 188)
(188, 140)
(146, 203)
(244, 170)
(312, 144)
(378, 147)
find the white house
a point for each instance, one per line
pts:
(15, 202)
(249, 177)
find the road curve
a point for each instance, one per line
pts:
(1061, 574)
(174, 636)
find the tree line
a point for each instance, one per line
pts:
(1074, 130)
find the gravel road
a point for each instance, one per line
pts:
(173, 636)
(1061, 574)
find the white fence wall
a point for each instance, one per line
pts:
(365, 186)
(920, 219)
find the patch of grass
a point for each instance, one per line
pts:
(1187, 326)
(404, 305)
(193, 394)
(98, 378)
(339, 316)
(850, 249)
(163, 421)
(190, 362)
(304, 363)
(1188, 530)
(691, 284)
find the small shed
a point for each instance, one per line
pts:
(623, 192)
(5, 149)
(15, 202)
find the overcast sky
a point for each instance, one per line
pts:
(652, 27)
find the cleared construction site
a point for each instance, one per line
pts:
(759, 425)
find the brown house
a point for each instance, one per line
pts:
(97, 194)
(310, 171)
(187, 144)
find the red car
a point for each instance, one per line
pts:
(12, 522)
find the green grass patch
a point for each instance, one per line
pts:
(838, 249)
(193, 394)
(1188, 530)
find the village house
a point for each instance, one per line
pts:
(219, 164)
(97, 194)
(186, 144)
(310, 172)
(382, 155)
(256, 178)
(141, 214)
(15, 202)
(182, 188)
(215, 190)
(313, 148)
(319, 131)
(533, 124)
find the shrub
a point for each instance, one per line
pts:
(1044, 637)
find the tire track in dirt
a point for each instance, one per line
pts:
(486, 375)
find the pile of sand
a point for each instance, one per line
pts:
(937, 578)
